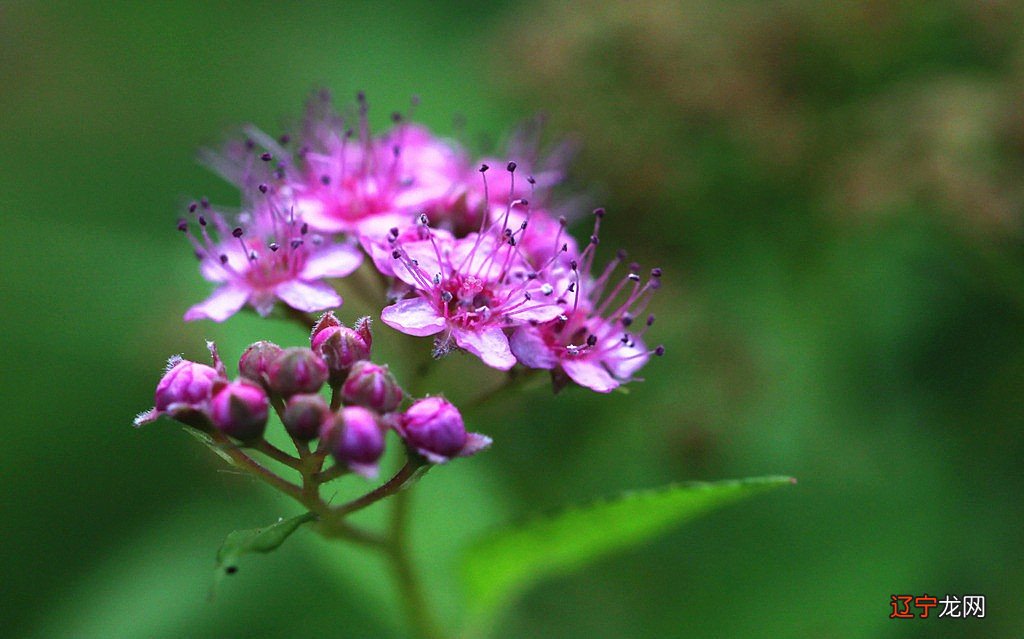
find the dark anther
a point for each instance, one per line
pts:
(659, 351)
(511, 241)
(182, 225)
(396, 254)
(562, 221)
(423, 219)
(574, 265)
(565, 247)
(633, 277)
(231, 570)
(446, 296)
(508, 232)
(522, 227)
(325, 179)
(249, 144)
(396, 117)
(263, 188)
(266, 156)
(511, 167)
(273, 246)
(192, 207)
(650, 320)
(223, 258)
(304, 228)
(593, 239)
(591, 340)
(296, 244)
(524, 202)
(598, 212)
(571, 288)
(531, 180)
(627, 320)
(655, 272)
(483, 168)
(528, 296)
(621, 254)
(361, 96)
(202, 220)
(396, 150)
(205, 203)
(237, 232)
(284, 139)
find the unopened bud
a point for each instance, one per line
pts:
(341, 347)
(434, 425)
(297, 370)
(239, 409)
(371, 386)
(305, 415)
(255, 362)
(185, 385)
(361, 439)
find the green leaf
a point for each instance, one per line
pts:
(500, 566)
(263, 540)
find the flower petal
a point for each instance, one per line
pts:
(475, 442)
(589, 373)
(222, 304)
(489, 344)
(308, 296)
(335, 260)
(317, 213)
(415, 316)
(530, 349)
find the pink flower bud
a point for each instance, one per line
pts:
(297, 370)
(434, 425)
(355, 439)
(186, 385)
(371, 386)
(341, 348)
(305, 415)
(239, 409)
(255, 362)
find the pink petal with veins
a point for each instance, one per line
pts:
(414, 316)
(308, 296)
(222, 304)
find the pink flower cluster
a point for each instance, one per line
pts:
(366, 400)
(475, 257)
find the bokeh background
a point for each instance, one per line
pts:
(834, 190)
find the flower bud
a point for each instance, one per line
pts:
(305, 415)
(371, 386)
(434, 426)
(297, 370)
(355, 439)
(340, 347)
(239, 409)
(255, 362)
(185, 385)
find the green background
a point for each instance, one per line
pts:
(834, 192)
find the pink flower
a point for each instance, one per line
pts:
(351, 181)
(592, 343)
(470, 290)
(271, 257)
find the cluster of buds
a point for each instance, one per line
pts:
(478, 259)
(365, 400)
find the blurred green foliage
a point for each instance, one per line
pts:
(833, 189)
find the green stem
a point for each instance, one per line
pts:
(397, 549)
(391, 487)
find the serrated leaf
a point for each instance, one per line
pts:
(500, 566)
(262, 540)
